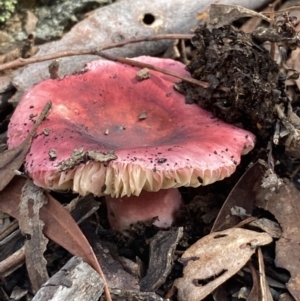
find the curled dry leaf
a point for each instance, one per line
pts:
(222, 14)
(242, 195)
(268, 226)
(12, 159)
(214, 259)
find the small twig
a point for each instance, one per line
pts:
(183, 52)
(12, 263)
(23, 62)
(9, 229)
(130, 62)
(246, 221)
(272, 18)
(292, 8)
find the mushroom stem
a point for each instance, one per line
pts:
(124, 211)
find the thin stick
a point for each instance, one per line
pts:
(292, 8)
(130, 62)
(23, 62)
(272, 18)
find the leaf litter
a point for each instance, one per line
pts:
(59, 226)
(207, 265)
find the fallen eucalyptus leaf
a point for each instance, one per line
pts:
(242, 195)
(214, 259)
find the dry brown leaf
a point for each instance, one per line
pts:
(242, 195)
(285, 206)
(12, 159)
(32, 200)
(214, 259)
(62, 229)
(222, 14)
(59, 224)
(268, 226)
(10, 197)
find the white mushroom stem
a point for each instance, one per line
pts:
(124, 211)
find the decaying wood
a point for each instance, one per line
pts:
(132, 18)
(114, 272)
(162, 247)
(32, 200)
(75, 281)
(127, 295)
(12, 263)
(10, 228)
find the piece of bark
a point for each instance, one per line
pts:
(12, 263)
(11, 244)
(162, 247)
(31, 226)
(114, 272)
(127, 295)
(75, 281)
(83, 207)
(8, 229)
(18, 293)
(131, 19)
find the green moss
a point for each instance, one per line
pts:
(7, 8)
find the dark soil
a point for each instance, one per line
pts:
(245, 82)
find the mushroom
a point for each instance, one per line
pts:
(112, 134)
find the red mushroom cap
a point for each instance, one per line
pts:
(149, 138)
